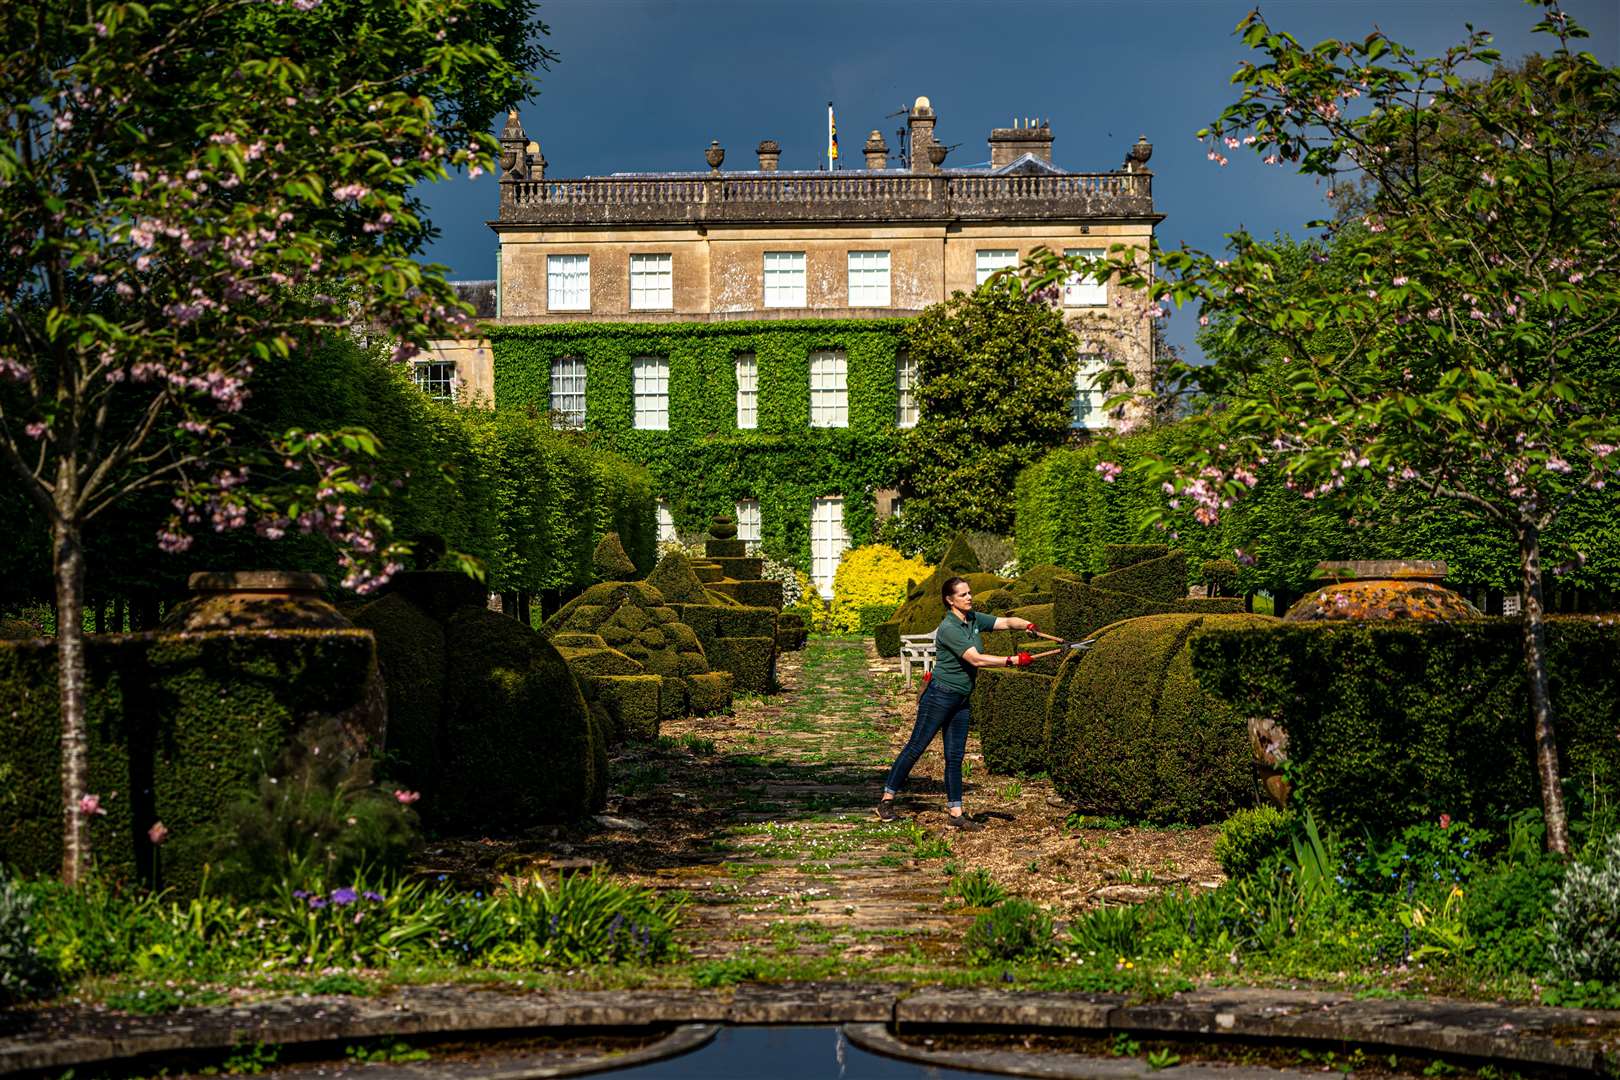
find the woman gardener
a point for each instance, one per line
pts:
(943, 705)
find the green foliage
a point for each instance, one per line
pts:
(317, 817)
(1250, 838)
(1161, 578)
(180, 727)
(977, 889)
(869, 577)
(1014, 929)
(609, 560)
(1584, 926)
(1390, 724)
(996, 374)
(1131, 731)
(25, 973)
(703, 464)
(529, 923)
(519, 742)
(411, 654)
(1009, 710)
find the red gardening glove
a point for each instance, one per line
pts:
(1032, 630)
(1023, 659)
(928, 677)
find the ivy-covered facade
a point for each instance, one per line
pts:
(794, 424)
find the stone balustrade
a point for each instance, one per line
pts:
(826, 197)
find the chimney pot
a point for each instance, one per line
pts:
(770, 154)
(920, 121)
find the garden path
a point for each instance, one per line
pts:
(765, 818)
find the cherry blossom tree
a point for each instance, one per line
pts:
(188, 189)
(1469, 356)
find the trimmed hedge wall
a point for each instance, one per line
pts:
(1080, 610)
(179, 724)
(1390, 724)
(1009, 709)
(704, 463)
(1135, 734)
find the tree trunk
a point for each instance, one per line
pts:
(1533, 628)
(71, 676)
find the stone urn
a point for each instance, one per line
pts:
(255, 600)
(715, 155)
(936, 154)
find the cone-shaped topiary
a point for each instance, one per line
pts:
(610, 561)
(675, 579)
(959, 559)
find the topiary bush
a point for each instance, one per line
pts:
(1119, 556)
(519, 743)
(1009, 710)
(410, 652)
(1162, 578)
(1136, 735)
(1390, 723)
(609, 561)
(1250, 837)
(868, 576)
(1080, 609)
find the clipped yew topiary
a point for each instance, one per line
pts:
(1162, 578)
(1080, 609)
(1119, 556)
(1134, 734)
(677, 582)
(1009, 710)
(791, 633)
(609, 562)
(410, 651)
(520, 745)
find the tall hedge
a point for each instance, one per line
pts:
(502, 486)
(1067, 513)
(704, 463)
(1134, 733)
(180, 725)
(1389, 724)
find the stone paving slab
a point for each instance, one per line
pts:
(1580, 1042)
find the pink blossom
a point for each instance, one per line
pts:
(474, 172)
(158, 833)
(1399, 280)
(1272, 159)
(1109, 471)
(90, 805)
(1557, 464)
(406, 798)
(173, 543)
(64, 120)
(35, 430)
(1445, 821)
(1576, 278)
(1243, 557)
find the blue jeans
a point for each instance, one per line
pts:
(937, 708)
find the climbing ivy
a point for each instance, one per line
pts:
(704, 463)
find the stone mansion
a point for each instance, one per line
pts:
(764, 245)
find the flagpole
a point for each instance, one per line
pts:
(829, 136)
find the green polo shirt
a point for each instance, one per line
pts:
(953, 638)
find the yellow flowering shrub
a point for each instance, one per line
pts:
(870, 577)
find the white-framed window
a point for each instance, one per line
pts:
(568, 391)
(828, 541)
(869, 279)
(748, 521)
(1089, 395)
(651, 376)
(568, 282)
(905, 389)
(650, 283)
(436, 378)
(784, 279)
(666, 523)
(747, 390)
(829, 388)
(989, 260)
(1084, 292)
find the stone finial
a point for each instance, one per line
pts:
(1137, 157)
(537, 162)
(514, 149)
(715, 155)
(876, 150)
(936, 154)
(770, 154)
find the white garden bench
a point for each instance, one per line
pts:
(916, 649)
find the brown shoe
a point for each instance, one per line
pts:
(886, 811)
(963, 822)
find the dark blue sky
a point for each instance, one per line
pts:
(645, 84)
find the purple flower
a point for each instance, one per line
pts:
(374, 897)
(316, 903)
(300, 894)
(344, 897)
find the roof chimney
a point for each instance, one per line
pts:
(770, 154)
(876, 150)
(920, 122)
(1028, 136)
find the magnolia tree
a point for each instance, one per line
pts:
(1469, 357)
(188, 189)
